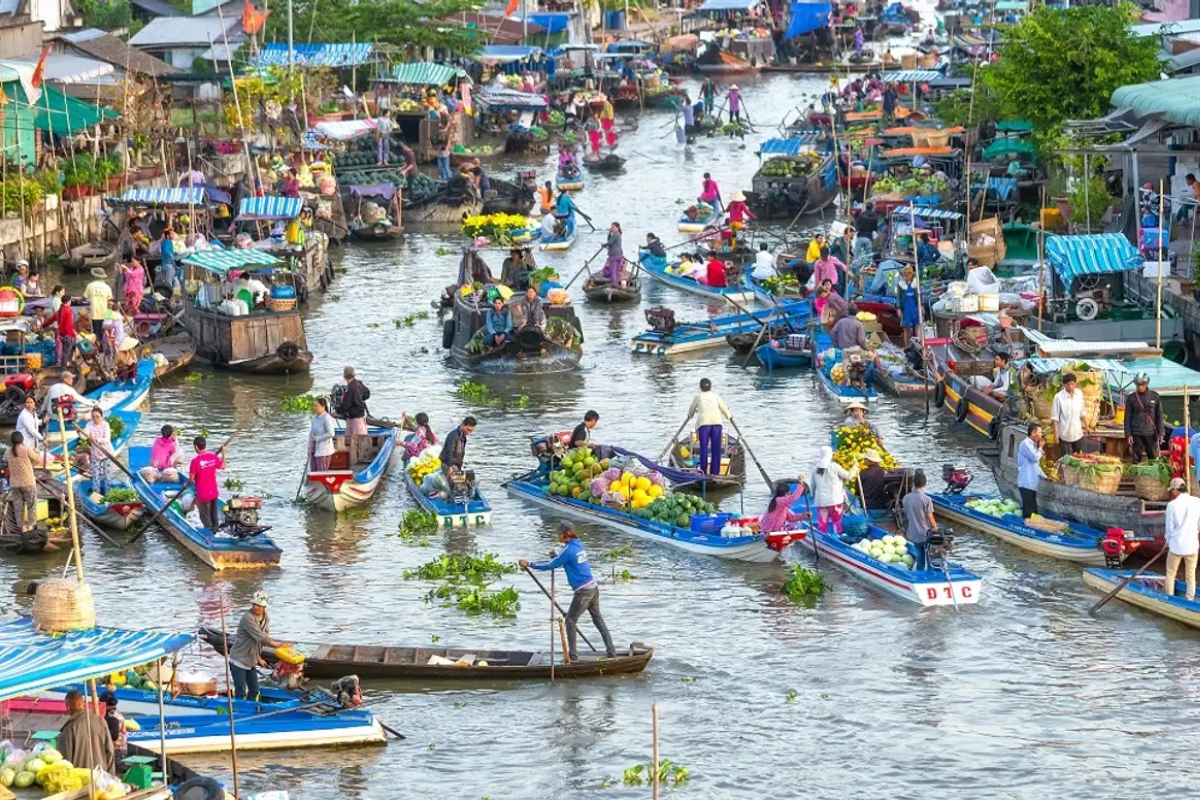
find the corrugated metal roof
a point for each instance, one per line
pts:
(424, 73)
(787, 147)
(61, 68)
(495, 97)
(221, 51)
(727, 5)
(505, 53)
(1177, 99)
(318, 55)
(221, 261)
(1049, 346)
(1166, 28)
(178, 31)
(1166, 377)
(1095, 254)
(911, 76)
(927, 213)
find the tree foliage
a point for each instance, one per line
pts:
(398, 22)
(1057, 65)
(106, 14)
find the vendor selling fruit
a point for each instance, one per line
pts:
(454, 449)
(84, 739)
(245, 655)
(582, 435)
(856, 416)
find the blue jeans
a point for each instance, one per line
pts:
(710, 448)
(245, 682)
(921, 559)
(384, 156)
(443, 165)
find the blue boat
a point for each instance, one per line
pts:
(561, 242)
(1073, 542)
(708, 215)
(1146, 591)
(119, 516)
(218, 550)
(688, 337)
(569, 181)
(828, 357)
(115, 395)
(762, 548)
(764, 295)
(656, 268)
(474, 514)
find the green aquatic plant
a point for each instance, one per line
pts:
(297, 403)
(473, 569)
(804, 582)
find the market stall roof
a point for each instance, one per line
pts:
(807, 17)
(722, 6)
(318, 55)
(505, 53)
(1011, 5)
(344, 129)
(174, 196)
(425, 73)
(221, 262)
(31, 661)
(788, 147)
(1176, 100)
(57, 112)
(1090, 254)
(498, 98)
(1168, 378)
(269, 208)
(926, 213)
(168, 32)
(911, 76)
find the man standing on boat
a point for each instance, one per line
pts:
(708, 408)
(574, 561)
(1143, 420)
(1183, 537)
(708, 93)
(454, 449)
(1029, 469)
(919, 520)
(63, 390)
(1067, 417)
(245, 654)
(98, 294)
(203, 474)
(582, 435)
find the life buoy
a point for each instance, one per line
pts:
(288, 352)
(960, 413)
(198, 789)
(448, 334)
(1087, 309)
(939, 394)
(994, 429)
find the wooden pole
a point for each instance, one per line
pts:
(66, 456)
(229, 699)
(1187, 426)
(654, 766)
(552, 625)
(912, 221)
(967, 149)
(1158, 302)
(1041, 245)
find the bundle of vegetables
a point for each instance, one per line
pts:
(923, 186)
(570, 137)
(538, 134)
(1093, 463)
(698, 211)
(889, 549)
(562, 332)
(557, 117)
(733, 129)
(541, 275)
(996, 507)
(498, 227)
(1159, 469)
(120, 494)
(852, 442)
(675, 510)
(424, 464)
(782, 284)
(478, 150)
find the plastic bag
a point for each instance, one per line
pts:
(435, 483)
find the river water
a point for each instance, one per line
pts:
(856, 695)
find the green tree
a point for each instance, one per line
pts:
(398, 22)
(105, 14)
(1057, 65)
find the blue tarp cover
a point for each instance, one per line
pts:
(317, 55)
(787, 147)
(553, 23)
(177, 196)
(727, 5)
(1094, 254)
(222, 261)
(807, 17)
(497, 98)
(506, 52)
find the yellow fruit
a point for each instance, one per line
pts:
(132, 724)
(684, 452)
(643, 483)
(640, 495)
(626, 477)
(654, 491)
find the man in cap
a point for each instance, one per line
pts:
(1144, 425)
(856, 415)
(574, 561)
(63, 390)
(245, 656)
(1183, 537)
(98, 294)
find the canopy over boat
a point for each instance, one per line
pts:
(269, 208)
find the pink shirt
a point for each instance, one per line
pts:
(777, 520)
(162, 453)
(204, 473)
(827, 269)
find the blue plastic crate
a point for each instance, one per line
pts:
(710, 523)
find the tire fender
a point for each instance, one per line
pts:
(448, 334)
(939, 394)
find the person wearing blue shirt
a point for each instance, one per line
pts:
(1029, 469)
(927, 252)
(574, 561)
(498, 322)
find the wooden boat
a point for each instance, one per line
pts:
(687, 337)
(48, 534)
(115, 516)
(780, 354)
(762, 548)
(381, 230)
(475, 513)
(609, 163)
(377, 232)
(826, 359)
(563, 242)
(723, 64)
(704, 215)
(954, 393)
(114, 396)
(344, 485)
(569, 180)
(656, 268)
(899, 378)
(925, 588)
(1146, 591)
(93, 254)
(1078, 543)
(733, 464)
(599, 289)
(177, 352)
(128, 423)
(743, 343)
(775, 197)
(218, 550)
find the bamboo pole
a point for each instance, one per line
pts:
(78, 554)
(967, 149)
(229, 699)
(654, 766)
(912, 221)
(552, 625)
(1187, 426)
(1041, 247)
(162, 722)
(1158, 302)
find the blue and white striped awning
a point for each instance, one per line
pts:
(222, 261)
(788, 147)
(911, 76)
(317, 55)
(927, 213)
(269, 207)
(31, 661)
(1094, 254)
(177, 196)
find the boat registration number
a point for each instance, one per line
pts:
(940, 592)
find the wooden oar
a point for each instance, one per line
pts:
(745, 444)
(556, 605)
(586, 218)
(754, 347)
(586, 264)
(674, 439)
(1126, 582)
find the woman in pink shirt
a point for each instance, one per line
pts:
(826, 268)
(164, 457)
(203, 473)
(779, 511)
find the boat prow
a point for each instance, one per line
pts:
(475, 513)
(342, 487)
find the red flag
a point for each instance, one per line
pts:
(36, 80)
(253, 19)
(512, 7)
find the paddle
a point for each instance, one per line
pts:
(586, 218)
(745, 444)
(757, 339)
(672, 441)
(584, 267)
(303, 479)
(1125, 582)
(812, 527)
(556, 605)
(705, 234)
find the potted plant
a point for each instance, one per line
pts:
(330, 111)
(106, 173)
(80, 173)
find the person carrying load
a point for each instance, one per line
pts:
(1144, 425)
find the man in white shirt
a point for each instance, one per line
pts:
(28, 424)
(999, 388)
(62, 389)
(1067, 417)
(1183, 537)
(764, 264)
(708, 408)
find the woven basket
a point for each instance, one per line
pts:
(62, 605)
(278, 304)
(1091, 410)
(1148, 487)
(1069, 475)
(1041, 407)
(1102, 482)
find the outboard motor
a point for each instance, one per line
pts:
(348, 691)
(241, 517)
(957, 479)
(1113, 547)
(914, 356)
(335, 398)
(661, 320)
(941, 542)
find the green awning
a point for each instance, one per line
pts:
(222, 261)
(1009, 148)
(1014, 126)
(58, 113)
(424, 73)
(1176, 100)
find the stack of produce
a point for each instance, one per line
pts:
(676, 510)
(557, 117)
(998, 507)
(852, 442)
(425, 464)
(478, 150)
(1093, 471)
(800, 166)
(420, 188)
(1151, 480)
(888, 549)
(698, 211)
(499, 228)
(915, 186)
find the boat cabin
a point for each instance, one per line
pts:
(284, 227)
(139, 217)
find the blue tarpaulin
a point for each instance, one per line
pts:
(553, 23)
(499, 99)
(1095, 254)
(504, 53)
(317, 55)
(807, 17)
(270, 207)
(724, 6)
(788, 147)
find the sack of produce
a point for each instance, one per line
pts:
(435, 483)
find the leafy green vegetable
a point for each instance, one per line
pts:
(804, 582)
(120, 494)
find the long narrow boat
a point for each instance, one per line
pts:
(1146, 591)
(129, 421)
(344, 486)
(899, 378)
(780, 355)
(707, 214)
(569, 182)
(449, 663)
(688, 337)
(600, 290)
(218, 550)
(474, 514)
(173, 354)
(925, 588)
(656, 268)
(684, 456)
(563, 242)
(1078, 542)
(761, 548)
(117, 516)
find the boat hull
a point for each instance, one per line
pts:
(1076, 548)
(773, 357)
(655, 268)
(1146, 592)
(693, 337)
(476, 514)
(338, 490)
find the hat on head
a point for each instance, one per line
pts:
(22, 263)
(98, 272)
(825, 457)
(108, 698)
(873, 456)
(739, 197)
(1142, 377)
(856, 404)
(128, 343)
(261, 599)
(1178, 485)
(733, 88)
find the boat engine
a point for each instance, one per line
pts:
(1113, 547)
(941, 542)
(661, 320)
(957, 479)
(241, 517)
(551, 447)
(348, 691)
(288, 675)
(462, 486)
(914, 356)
